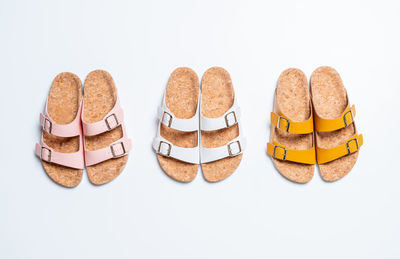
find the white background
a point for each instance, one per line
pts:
(255, 213)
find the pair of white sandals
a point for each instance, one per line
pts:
(184, 115)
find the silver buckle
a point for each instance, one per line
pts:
(113, 150)
(169, 120)
(230, 149)
(348, 147)
(108, 124)
(344, 117)
(278, 124)
(227, 120)
(159, 149)
(50, 125)
(284, 154)
(48, 157)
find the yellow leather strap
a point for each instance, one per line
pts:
(351, 145)
(345, 119)
(280, 152)
(283, 123)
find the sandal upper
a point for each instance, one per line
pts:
(233, 147)
(281, 152)
(119, 148)
(166, 148)
(73, 129)
(351, 145)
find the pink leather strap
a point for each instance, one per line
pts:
(61, 130)
(45, 153)
(119, 148)
(73, 160)
(71, 129)
(112, 120)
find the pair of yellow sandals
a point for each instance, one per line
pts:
(313, 125)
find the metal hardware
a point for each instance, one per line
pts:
(108, 124)
(169, 149)
(284, 154)
(279, 122)
(113, 150)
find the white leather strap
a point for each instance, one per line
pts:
(165, 148)
(233, 148)
(230, 118)
(167, 118)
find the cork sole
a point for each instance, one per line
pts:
(62, 106)
(181, 98)
(293, 100)
(329, 98)
(99, 98)
(217, 97)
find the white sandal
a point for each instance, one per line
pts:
(176, 143)
(222, 142)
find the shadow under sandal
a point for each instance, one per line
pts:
(222, 143)
(337, 139)
(106, 143)
(176, 143)
(61, 146)
(292, 139)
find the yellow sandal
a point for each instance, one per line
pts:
(292, 130)
(337, 140)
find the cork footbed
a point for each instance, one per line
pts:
(62, 106)
(292, 99)
(329, 98)
(217, 97)
(99, 98)
(181, 98)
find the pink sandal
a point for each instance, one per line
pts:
(60, 148)
(106, 143)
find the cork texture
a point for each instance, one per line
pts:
(329, 98)
(292, 98)
(100, 96)
(62, 106)
(181, 98)
(217, 97)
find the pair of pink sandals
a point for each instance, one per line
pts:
(78, 127)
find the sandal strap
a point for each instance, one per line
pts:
(47, 154)
(71, 129)
(117, 149)
(343, 121)
(278, 151)
(235, 147)
(167, 118)
(284, 123)
(165, 148)
(351, 145)
(112, 120)
(229, 119)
